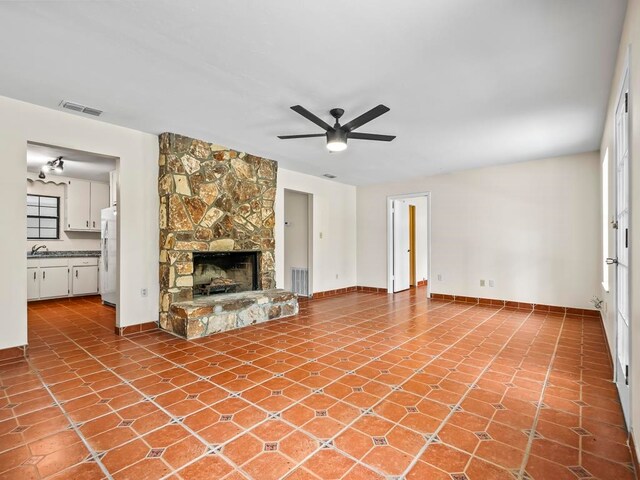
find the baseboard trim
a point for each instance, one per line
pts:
(11, 354)
(536, 307)
(342, 291)
(131, 329)
(422, 283)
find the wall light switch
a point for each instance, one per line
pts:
(482, 283)
(492, 283)
(320, 234)
(439, 277)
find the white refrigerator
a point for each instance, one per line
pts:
(108, 262)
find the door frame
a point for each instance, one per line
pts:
(309, 234)
(625, 80)
(390, 199)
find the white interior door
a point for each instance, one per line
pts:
(622, 249)
(401, 273)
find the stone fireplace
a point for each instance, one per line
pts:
(214, 203)
(224, 272)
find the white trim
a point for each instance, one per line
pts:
(390, 200)
(625, 79)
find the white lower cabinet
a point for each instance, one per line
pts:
(54, 282)
(84, 280)
(33, 283)
(61, 277)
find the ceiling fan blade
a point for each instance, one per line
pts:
(309, 135)
(310, 116)
(370, 136)
(375, 112)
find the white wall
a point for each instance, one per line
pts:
(630, 38)
(531, 227)
(333, 214)
(138, 152)
(296, 231)
(68, 240)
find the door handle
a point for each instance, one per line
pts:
(94, 224)
(611, 261)
(34, 275)
(87, 223)
(76, 273)
(44, 274)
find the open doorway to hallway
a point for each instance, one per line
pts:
(71, 237)
(298, 246)
(408, 242)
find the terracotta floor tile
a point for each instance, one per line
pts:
(328, 464)
(358, 376)
(269, 466)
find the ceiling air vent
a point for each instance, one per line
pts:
(76, 107)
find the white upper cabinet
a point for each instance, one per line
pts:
(83, 202)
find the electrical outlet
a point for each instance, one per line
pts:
(492, 283)
(336, 276)
(439, 277)
(143, 292)
(482, 283)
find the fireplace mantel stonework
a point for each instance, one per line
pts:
(211, 199)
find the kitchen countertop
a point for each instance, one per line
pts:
(64, 254)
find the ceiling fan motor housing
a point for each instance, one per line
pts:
(337, 135)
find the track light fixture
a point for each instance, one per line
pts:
(56, 166)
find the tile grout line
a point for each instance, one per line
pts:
(382, 399)
(464, 396)
(534, 426)
(127, 382)
(92, 452)
(295, 427)
(295, 402)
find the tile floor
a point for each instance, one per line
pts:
(359, 386)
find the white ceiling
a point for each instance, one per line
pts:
(77, 164)
(469, 82)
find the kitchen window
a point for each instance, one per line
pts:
(43, 217)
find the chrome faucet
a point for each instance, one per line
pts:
(35, 248)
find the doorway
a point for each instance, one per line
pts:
(298, 247)
(621, 225)
(71, 256)
(408, 242)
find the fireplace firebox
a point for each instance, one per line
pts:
(224, 272)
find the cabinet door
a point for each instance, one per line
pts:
(54, 282)
(99, 200)
(33, 284)
(77, 205)
(85, 280)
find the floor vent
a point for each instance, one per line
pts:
(76, 107)
(300, 281)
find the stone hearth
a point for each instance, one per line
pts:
(218, 313)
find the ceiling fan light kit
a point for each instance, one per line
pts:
(338, 135)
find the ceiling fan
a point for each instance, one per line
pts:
(338, 134)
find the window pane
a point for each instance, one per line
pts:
(48, 223)
(32, 200)
(48, 211)
(47, 233)
(32, 210)
(32, 222)
(32, 233)
(49, 202)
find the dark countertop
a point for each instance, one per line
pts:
(67, 254)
